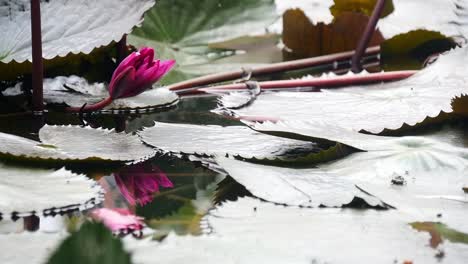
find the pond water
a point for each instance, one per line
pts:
(195, 190)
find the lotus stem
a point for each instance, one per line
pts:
(315, 83)
(90, 108)
(272, 68)
(38, 68)
(366, 36)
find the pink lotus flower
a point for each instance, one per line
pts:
(139, 182)
(117, 219)
(134, 75)
(137, 73)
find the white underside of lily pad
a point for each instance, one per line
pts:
(76, 143)
(77, 26)
(32, 248)
(26, 191)
(434, 172)
(76, 91)
(372, 107)
(250, 231)
(445, 17)
(211, 140)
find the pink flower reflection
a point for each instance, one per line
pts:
(138, 183)
(118, 219)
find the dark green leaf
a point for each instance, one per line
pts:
(92, 244)
(411, 49)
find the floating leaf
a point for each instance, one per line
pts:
(75, 91)
(414, 174)
(185, 37)
(67, 27)
(363, 6)
(413, 48)
(372, 108)
(26, 247)
(45, 192)
(445, 17)
(211, 140)
(250, 231)
(92, 244)
(303, 187)
(76, 143)
(305, 39)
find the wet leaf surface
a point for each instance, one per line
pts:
(211, 140)
(29, 247)
(76, 91)
(76, 143)
(44, 192)
(383, 236)
(376, 107)
(417, 175)
(68, 27)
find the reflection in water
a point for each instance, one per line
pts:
(118, 220)
(44, 224)
(139, 182)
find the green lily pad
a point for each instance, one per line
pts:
(45, 192)
(67, 27)
(76, 143)
(185, 37)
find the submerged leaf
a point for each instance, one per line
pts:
(250, 231)
(372, 108)
(231, 140)
(76, 143)
(45, 192)
(67, 27)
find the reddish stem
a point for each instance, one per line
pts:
(90, 108)
(272, 68)
(38, 69)
(316, 82)
(366, 36)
